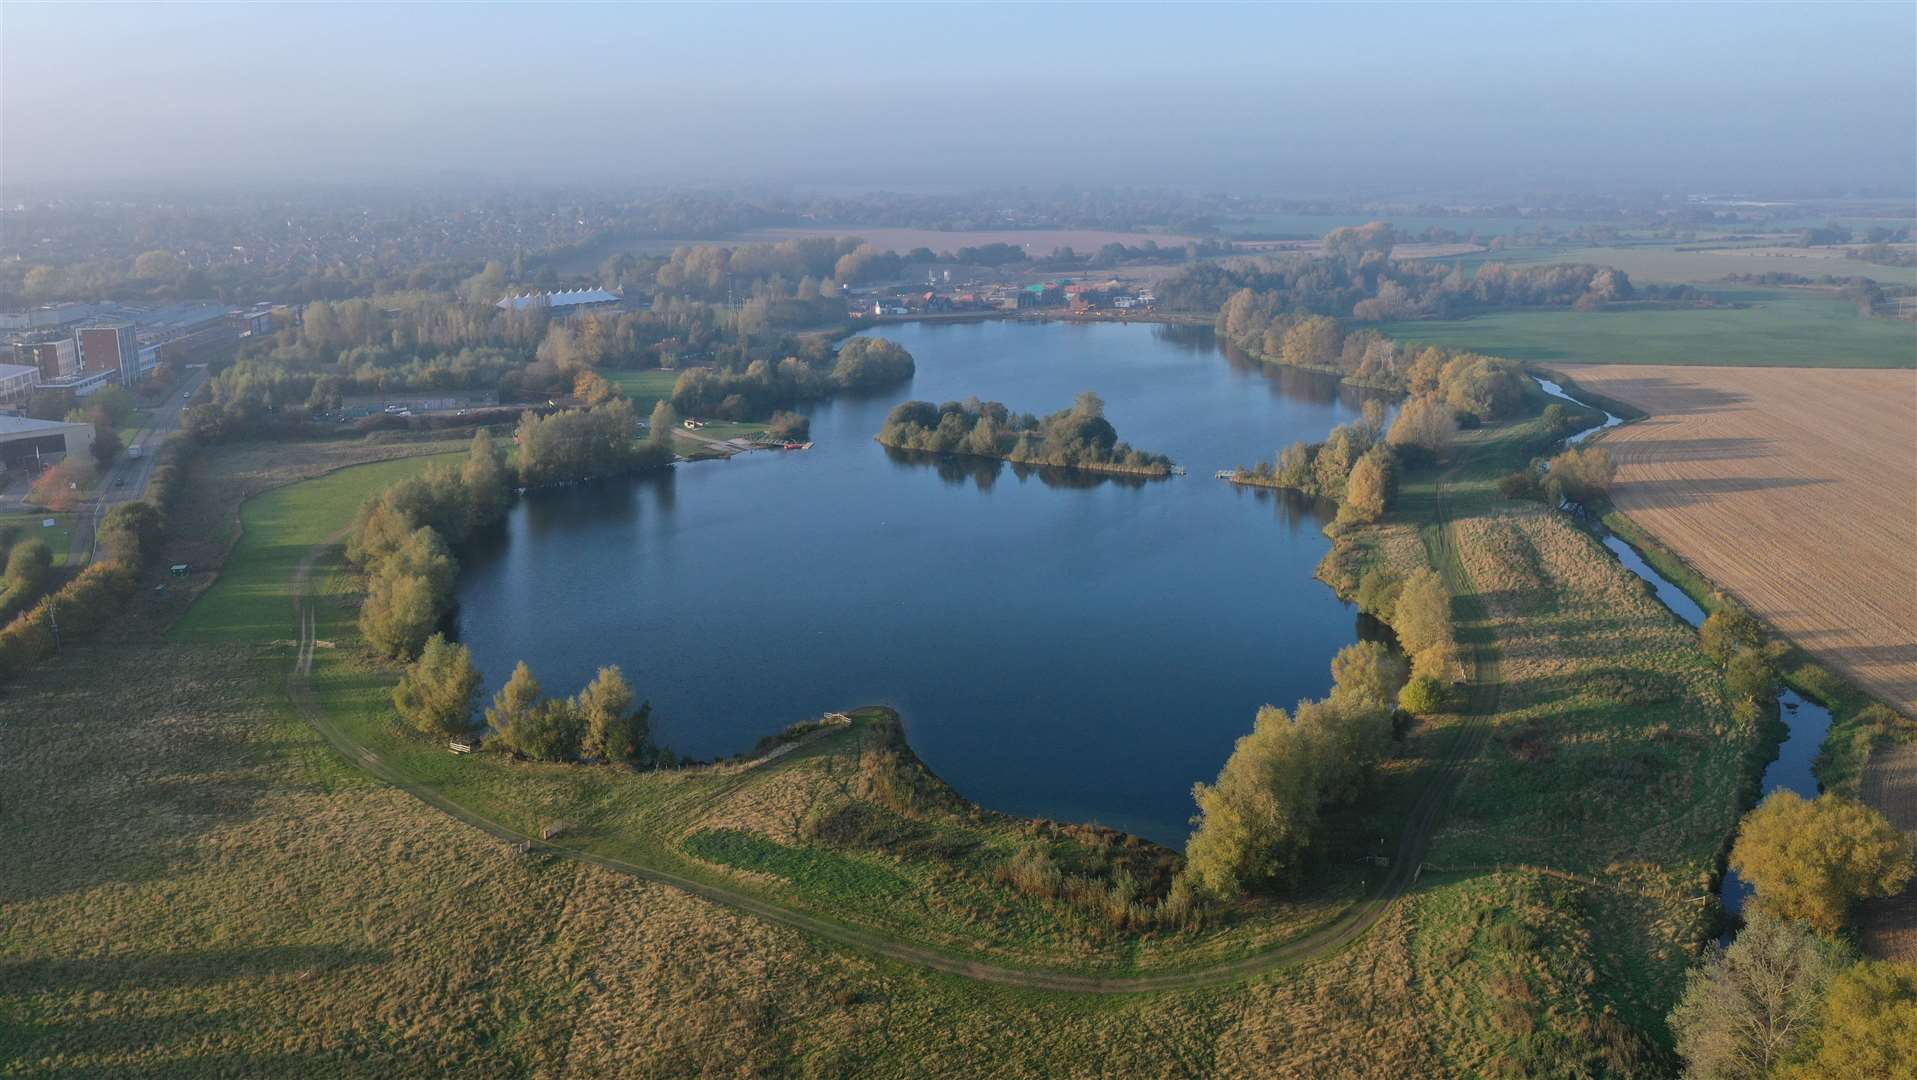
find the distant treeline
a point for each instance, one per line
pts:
(1076, 438)
(1355, 277)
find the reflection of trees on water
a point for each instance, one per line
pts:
(1294, 510)
(983, 473)
(1302, 384)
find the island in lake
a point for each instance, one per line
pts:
(1076, 438)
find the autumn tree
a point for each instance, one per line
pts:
(664, 419)
(1583, 472)
(1727, 630)
(1868, 1029)
(1256, 823)
(1813, 859)
(439, 691)
(1367, 672)
(1368, 489)
(1314, 342)
(1746, 1008)
(1422, 619)
(613, 730)
(398, 614)
(526, 723)
(488, 486)
(1426, 423)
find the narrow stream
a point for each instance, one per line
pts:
(1807, 721)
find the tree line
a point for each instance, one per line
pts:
(761, 387)
(440, 691)
(1354, 276)
(1079, 437)
(1486, 387)
(126, 542)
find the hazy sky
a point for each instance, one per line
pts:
(1296, 98)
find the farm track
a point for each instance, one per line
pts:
(1439, 793)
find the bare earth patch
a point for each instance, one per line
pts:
(1793, 488)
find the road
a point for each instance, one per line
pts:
(126, 479)
(1407, 861)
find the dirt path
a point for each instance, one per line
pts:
(1406, 865)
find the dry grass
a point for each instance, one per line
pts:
(1793, 489)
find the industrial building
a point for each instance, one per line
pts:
(110, 347)
(26, 442)
(16, 383)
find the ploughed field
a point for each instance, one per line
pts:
(1792, 489)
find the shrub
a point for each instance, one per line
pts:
(1032, 872)
(1522, 484)
(1727, 630)
(1377, 593)
(1583, 472)
(1749, 676)
(1422, 696)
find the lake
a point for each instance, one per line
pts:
(1059, 646)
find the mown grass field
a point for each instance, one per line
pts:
(205, 885)
(251, 600)
(645, 388)
(1782, 328)
(32, 526)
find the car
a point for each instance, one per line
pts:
(121, 482)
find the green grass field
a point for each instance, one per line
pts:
(251, 601)
(32, 527)
(1782, 328)
(645, 388)
(1648, 263)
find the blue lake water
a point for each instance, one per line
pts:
(1058, 646)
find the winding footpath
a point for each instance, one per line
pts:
(1406, 865)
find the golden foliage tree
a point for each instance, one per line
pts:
(438, 692)
(1812, 860)
(1869, 1026)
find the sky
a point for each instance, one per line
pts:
(1316, 99)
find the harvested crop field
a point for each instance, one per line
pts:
(1890, 785)
(1792, 488)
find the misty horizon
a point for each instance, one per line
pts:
(1439, 100)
